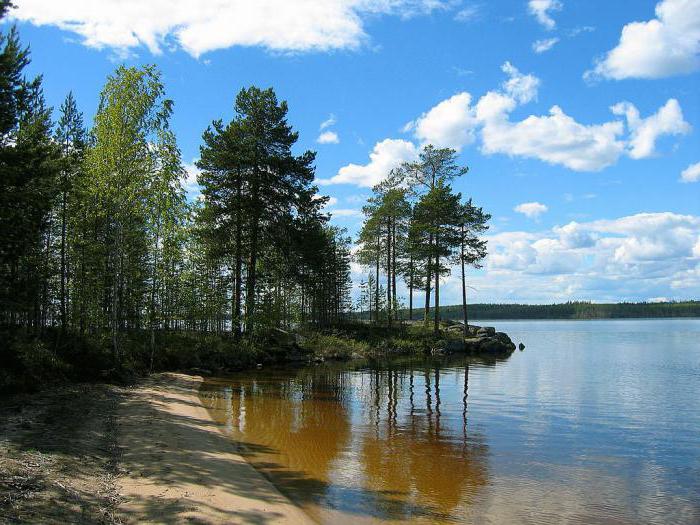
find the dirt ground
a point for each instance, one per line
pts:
(147, 454)
(59, 456)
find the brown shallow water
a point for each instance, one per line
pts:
(593, 423)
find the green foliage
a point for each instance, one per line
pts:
(336, 346)
(575, 310)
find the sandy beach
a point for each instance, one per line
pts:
(145, 454)
(178, 467)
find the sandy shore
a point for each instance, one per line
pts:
(178, 467)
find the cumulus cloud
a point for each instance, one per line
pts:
(661, 47)
(555, 138)
(633, 257)
(541, 46)
(278, 25)
(558, 138)
(386, 155)
(449, 124)
(541, 10)
(328, 137)
(691, 174)
(644, 132)
(531, 210)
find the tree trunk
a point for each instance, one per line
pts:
(250, 294)
(410, 289)
(63, 262)
(464, 290)
(394, 302)
(236, 320)
(115, 301)
(154, 281)
(428, 268)
(436, 325)
(388, 272)
(376, 284)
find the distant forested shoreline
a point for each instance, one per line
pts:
(570, 310)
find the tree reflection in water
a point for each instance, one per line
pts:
(383, 442)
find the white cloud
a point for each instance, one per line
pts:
(345, 212)
(531, 210)
(192, 188)
(664, 46)
(468, 13)
(540, 46)
(328, 137)
(332, 201)
(522, 88)
(278, 25)
(449, 124)
(668, 120)
(385, 156)
(331, 120)
(691, 173)
(556, 138)
(329, 207)
(540, 9)
(633, 257)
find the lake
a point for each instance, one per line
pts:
(594, 422)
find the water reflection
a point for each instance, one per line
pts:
(370, 443)
(594, 423)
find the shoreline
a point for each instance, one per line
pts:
(150, 453)
(184, 468)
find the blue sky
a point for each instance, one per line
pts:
(579, 120)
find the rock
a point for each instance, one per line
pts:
(282, 338)
(521, 347)
(487, 331)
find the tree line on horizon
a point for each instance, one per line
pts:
(98, 239)
(579, 310)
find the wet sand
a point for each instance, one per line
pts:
(178, 467)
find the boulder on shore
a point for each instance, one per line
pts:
(487, 340)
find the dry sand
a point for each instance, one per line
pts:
(178, 467)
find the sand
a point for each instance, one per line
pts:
(177, 466)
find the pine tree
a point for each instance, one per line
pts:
(70, 137)
(27, 189)
(472, 222)
(434, 166)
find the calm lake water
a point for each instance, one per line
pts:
(595, 422)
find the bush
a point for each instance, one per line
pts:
(335, 346)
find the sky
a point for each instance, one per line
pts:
(579, 120)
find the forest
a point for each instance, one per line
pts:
(574, 310)
(106, 268)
